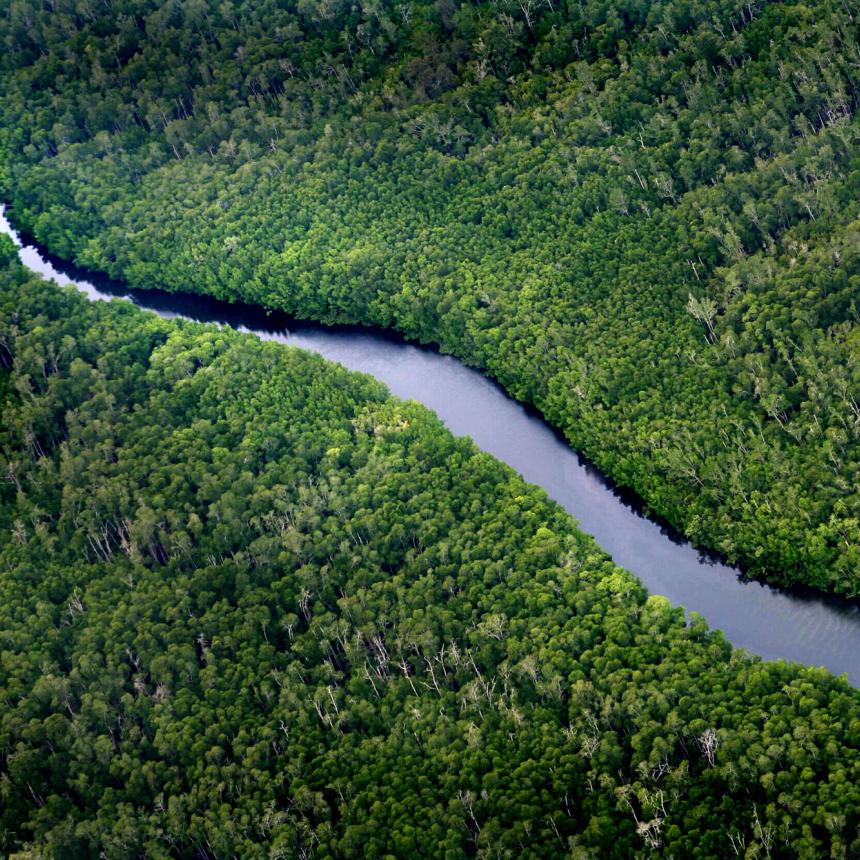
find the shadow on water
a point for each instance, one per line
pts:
(798, 624)
(278, 324)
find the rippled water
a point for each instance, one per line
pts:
(808, 628)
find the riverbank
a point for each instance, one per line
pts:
(800, 626)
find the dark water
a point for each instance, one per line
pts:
(811, 629)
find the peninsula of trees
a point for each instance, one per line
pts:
(253, 606)
(641, 217)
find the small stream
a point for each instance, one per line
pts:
(773, 623)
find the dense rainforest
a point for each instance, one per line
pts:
(253, 606)
(641, 217)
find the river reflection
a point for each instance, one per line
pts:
(808, 628)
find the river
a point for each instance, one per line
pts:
(773, 623)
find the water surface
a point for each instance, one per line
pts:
(773, 623)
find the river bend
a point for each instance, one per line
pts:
(808, 628)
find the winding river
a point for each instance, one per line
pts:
(807, 628)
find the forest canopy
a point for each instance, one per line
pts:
(252, 605)
(641, 217)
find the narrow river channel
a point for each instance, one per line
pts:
(807, 628)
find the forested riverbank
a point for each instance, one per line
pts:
(793, 624)
(253, 605)
(642, 218)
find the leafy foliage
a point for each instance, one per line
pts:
(642, 217)
(251, 605)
